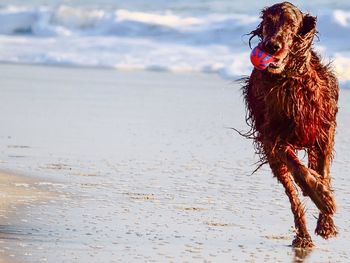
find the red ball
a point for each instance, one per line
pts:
(260, 59)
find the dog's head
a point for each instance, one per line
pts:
(284, 32)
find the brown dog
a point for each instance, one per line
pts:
(291, 106)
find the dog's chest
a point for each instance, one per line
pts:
(292, 112)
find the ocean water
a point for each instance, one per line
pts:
(198, 36)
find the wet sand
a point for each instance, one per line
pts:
(18, 193)
(142, 167)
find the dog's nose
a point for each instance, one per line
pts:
(272, 47)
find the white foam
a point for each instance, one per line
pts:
(342, 17)
(167, 19)
(342, 67)
(70, 17)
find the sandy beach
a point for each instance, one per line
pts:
(133, 166)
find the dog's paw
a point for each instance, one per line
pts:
(325, 227)
(304, 242)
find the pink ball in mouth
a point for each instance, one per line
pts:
(260, 59)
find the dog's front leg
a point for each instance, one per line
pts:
(309, 181)
(320, 161)
(302, 238)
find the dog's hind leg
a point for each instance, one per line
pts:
(280, 170)
(320, 162)
(309, 181)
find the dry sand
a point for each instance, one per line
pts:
(141, 167)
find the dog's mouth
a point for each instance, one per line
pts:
(277, 66)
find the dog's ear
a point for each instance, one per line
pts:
(308, 26)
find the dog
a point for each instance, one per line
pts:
(290, 106)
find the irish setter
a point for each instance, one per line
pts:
(292, 105)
